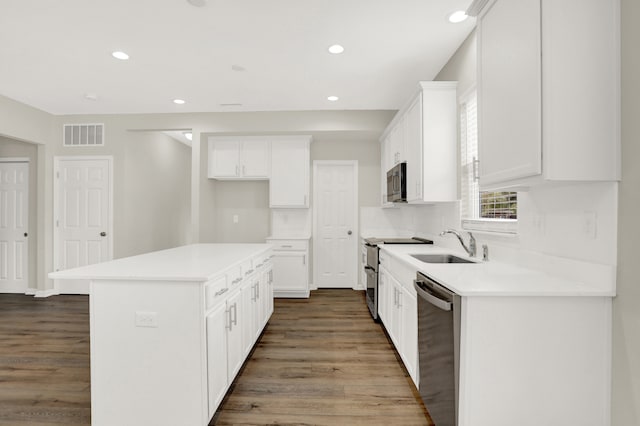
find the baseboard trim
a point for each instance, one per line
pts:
(31, 291)
(302, 294)
(46, 293)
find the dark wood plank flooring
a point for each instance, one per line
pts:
(44, 361)
(323, 361)
(320, 361)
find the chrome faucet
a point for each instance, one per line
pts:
(471, 250)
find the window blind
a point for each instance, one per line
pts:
(475, 204)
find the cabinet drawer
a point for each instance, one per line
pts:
(216, 291)
(247, 268)
(234, 275)
(281, 245)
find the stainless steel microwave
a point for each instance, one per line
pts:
(397, 184)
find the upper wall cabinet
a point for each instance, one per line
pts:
(548, 91)
(239, 158)
(424, 135)
(289, 186)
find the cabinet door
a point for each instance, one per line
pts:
(269, 302)
(217, 322)
(224, 159)
(397, 144)
(413, 146)
(289, 185)
(396, 314)
(248, 324)
(383, 298)
(290, 271)
(409, 340)
(385, 164)
(255, 159)
(235, 341)
(509, 91)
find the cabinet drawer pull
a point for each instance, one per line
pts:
(235, 314)
(237, 280)
(219, 292)
(286, 246)
(249, 272)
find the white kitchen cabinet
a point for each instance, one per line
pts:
(398, 310)
(217, 380)
(424, 135)
(290, 267)
(237, 322)
(239, 158)
(548, 92)
(289, 183)
(385, 165)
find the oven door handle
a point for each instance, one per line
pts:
(424, 292)
(369, 270)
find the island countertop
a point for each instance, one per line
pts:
(195, 262)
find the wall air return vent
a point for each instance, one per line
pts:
(83, 134)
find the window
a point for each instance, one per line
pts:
(485, 211)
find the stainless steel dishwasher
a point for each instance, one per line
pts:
(438, 349)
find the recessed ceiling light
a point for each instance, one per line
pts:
(91, 96)
(120, 55)
(458, 16)
(197, 3)
(188, 135)
(332, 98)
(178, 101)
(336, 49)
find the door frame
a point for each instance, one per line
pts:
(56, 202)
(25, 160)
(356, 225)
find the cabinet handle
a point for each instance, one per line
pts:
(249, 272)
(304, 259)
(258, 290)
(228, 325)
(237, 280)
(235, 314)
(286, 246)
(399, 299)
(223, 291)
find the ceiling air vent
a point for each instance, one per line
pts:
(83, 134)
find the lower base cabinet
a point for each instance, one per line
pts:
(290, 267)
(217, 324)
(398, 310)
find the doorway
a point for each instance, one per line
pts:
(14, 225)
(335, 224)
(83, 216)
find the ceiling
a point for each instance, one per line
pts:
(266, 55)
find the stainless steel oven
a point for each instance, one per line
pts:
(372, 264)
(397, 184)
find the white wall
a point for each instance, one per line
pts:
(156, 196)
(626, 306)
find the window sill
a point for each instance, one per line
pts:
(492, 226)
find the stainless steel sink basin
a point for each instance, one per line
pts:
(440, 258)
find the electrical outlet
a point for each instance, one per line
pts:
(146, 319)
(236, 219)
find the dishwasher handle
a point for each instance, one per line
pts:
(424, 292)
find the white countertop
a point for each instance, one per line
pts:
(196, 262)
(494, 278)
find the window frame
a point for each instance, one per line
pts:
(508, 227)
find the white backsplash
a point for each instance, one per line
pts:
(291, 222)
(557, 226)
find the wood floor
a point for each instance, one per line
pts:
(44, 361)
(323, 361)
(320, 361)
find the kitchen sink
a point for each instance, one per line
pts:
(440, 258)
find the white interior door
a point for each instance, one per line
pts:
(335, 216)
(83, 217)
(14, 227)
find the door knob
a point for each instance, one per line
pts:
(103, 234)
(349, 232)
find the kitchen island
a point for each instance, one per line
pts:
(171, 329)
